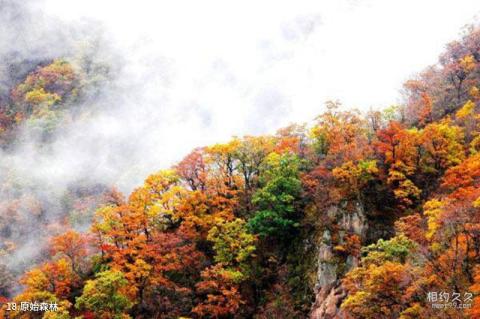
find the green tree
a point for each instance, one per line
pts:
(276, 199)
(105, 295)
(232, 243)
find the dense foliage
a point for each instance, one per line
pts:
(225, 232)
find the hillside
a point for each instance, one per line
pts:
(352, 216)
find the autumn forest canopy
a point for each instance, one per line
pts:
(354, 215)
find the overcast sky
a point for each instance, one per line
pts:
(293, 54)
(202, 71)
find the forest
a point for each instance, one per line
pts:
(354, 215)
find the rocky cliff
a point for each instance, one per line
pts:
(329, 293)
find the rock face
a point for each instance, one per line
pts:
(329, 292)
